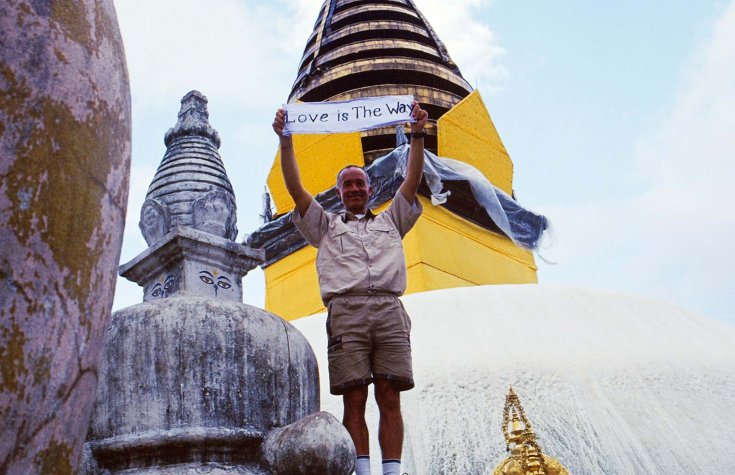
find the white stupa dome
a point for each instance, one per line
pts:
(613, 383)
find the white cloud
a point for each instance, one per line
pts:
(691, 201)
(672, 240)
(226, 48)
(470, 42)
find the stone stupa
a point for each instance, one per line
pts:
(193, 379)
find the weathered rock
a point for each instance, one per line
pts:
(316, 445)
(64, 162)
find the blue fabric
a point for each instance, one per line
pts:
(280, 238)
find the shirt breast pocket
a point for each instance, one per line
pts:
(342, 242)
(384, 235)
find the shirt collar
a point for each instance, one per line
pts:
(348, 216)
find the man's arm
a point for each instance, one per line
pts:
(290, 168)
(415, 168)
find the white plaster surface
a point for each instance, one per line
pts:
(612, 383)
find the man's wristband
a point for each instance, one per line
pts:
(418, 135)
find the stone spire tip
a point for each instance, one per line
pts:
(193, 120)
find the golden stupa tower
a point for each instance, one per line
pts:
(370, 48)
(525, 456)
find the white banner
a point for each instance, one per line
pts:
(347, 116)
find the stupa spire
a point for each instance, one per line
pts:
(191, 187)
(370, 48)
(525, 457)
(193, 120)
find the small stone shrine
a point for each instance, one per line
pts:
(193, 379)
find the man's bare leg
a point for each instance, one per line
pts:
(390, 433)
(354, 400)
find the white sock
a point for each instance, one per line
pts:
(391, 467)
(362, 466)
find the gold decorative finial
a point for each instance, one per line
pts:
(525, 457)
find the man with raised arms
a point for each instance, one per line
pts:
(362, 271)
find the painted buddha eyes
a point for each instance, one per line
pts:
(221, 282)
(169, 286)
(165, 289)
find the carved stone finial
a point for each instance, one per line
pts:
(193, 120)
(190, 187)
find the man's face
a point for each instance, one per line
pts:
(353, 190)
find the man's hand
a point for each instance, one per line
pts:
(289, 167)
(421, 117)
(279, 122)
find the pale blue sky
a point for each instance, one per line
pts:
(617, 116)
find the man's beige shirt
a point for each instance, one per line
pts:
(359, 255)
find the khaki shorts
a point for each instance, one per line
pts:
(368, 338)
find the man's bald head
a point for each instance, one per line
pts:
(339, 174)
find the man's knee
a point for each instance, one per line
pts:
(387, 397)
(354, 400)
